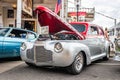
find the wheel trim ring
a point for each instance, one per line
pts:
(79, 63)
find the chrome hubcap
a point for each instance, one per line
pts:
(79, 62)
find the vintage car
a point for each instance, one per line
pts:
(64, 46)
(11, 39)
(116, 57)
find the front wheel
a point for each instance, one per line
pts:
(77, 66)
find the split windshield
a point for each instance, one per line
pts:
(79, 27)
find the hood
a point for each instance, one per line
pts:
(46, 17)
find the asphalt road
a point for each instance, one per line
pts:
(99, 70)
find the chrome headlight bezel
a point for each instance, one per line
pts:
(58, 47)
(23, 46)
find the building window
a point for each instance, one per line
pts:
(10, 13)
(10, 25)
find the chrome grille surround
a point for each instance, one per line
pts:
(30, 53)
(42, 55)
(39, 54)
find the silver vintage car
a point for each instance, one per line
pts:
(64, 46)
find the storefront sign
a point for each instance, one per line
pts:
(27, 6)
(75, 14)
(44, 30)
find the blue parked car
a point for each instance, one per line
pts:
(11, 40)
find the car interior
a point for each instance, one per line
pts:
(20, 34)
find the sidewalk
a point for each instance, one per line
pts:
(5, 66)
(112, 53)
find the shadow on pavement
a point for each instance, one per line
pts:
(2, 60)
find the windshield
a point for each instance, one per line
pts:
(3, 31)
(79, 27)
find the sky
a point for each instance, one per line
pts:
(109, 8)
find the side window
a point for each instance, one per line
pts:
(22, 34)
(93, 30)
(16, 33)
(89, 31)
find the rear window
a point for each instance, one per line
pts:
(79, 27)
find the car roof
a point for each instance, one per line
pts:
(19, 29)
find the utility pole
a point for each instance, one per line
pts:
(78, 4)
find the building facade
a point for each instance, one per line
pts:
(9, 12)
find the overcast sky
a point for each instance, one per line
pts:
(107, 7)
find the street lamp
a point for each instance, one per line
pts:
(77, 3)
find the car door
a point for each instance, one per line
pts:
(102, 39)
(93, 41)
(3, 32)
(1, 46)
(12, 43)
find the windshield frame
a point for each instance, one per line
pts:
(4, 31)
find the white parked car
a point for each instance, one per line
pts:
(66, 48)
(117, 52)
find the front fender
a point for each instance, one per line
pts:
(67, 56)
(84, 49)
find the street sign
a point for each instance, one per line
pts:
(84, 14)
(74, 13)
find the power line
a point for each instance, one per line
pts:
(115, 20)
(104, 15)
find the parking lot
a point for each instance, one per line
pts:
(99, 70)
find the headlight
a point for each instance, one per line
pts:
(58, 47)
(23, 46)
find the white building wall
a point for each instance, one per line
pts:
(1, 19)
(8, 21)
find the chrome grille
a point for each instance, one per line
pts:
(30, 53)
(43, 55)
